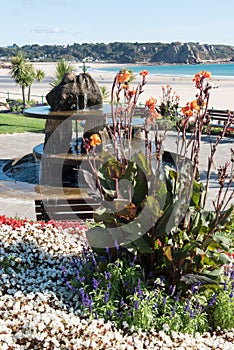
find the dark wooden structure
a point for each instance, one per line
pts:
(218, 118)
(78, 205)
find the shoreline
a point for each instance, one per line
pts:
(183, 86)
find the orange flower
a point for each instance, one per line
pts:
(131, 93)
(200, 76)
(123, 76)
(194, 105)
(151, 103)
(153, 114)
(126, 85)
(205, 74)
(187, 110)
(95, 140)
(144, 73)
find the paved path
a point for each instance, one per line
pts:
(17, 199)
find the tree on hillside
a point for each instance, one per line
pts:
(62, 67)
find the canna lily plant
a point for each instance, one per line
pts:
(156, 211)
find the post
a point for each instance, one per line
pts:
(84, 67)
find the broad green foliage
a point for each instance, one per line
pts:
(157, 211)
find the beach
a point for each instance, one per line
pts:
(221, 97)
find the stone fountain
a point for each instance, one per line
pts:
(77, 98)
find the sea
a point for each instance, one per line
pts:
(219, 70)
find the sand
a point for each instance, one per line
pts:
(221, 97)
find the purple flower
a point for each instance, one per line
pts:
(95, 283)
(139, 291)
(132, 263)
(94, 259)
(213, 300)
(172, 290)
(82, 294)
(136, 305)
(186, 308)
(64, 271)
(107, 275)
(79, 278)
(69, 286)
(117, 245)
(106, 297)
(122, 302)
(225, 286)
(108, 253)
(177, 297)
(191, 314)
(89, 302)
(173, 311)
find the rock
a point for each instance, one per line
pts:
(75, 92)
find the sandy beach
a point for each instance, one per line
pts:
(221, 97)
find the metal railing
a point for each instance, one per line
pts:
(14, 95)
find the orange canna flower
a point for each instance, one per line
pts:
(131, 93)
(205, 74)
(95, 140)
(123, 76)
(194, 105)
(151, 103)
(187, 110)
(144, 73)
(126, 85)
(201, 75)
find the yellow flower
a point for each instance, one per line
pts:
(95, 140)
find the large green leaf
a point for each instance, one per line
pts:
(222, 242)
(218, 242)
(192, 279)
(145, 219)
(196, 194)
(99, 239)
(184, 252)
(143, 163)
(161, 192)
(104, 214)
(142, 245)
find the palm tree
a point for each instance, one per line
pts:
(19, 72)
(62, 67)
(38, 75)
(105, 93)
(24, 74)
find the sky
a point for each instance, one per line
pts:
(63, 22)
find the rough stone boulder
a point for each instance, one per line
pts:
(75, 92)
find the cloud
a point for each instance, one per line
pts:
(55, 30)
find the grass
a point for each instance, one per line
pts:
(17, 123)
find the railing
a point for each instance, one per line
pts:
(14, 95)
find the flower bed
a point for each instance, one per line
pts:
(40, 311)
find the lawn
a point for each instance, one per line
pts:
(11, 123)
